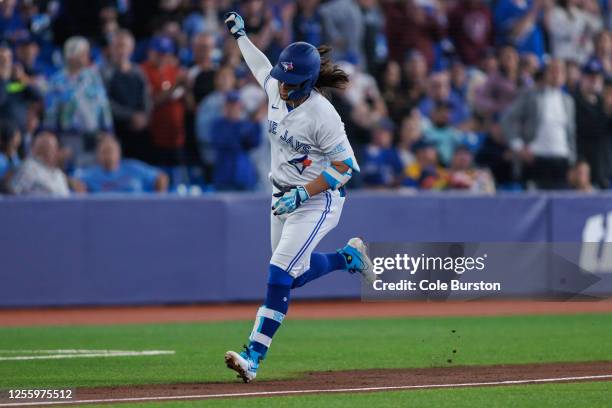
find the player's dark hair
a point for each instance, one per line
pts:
(330, 76)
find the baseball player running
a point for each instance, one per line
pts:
(312, 160)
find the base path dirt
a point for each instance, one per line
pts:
(355, 381)
(299, 310)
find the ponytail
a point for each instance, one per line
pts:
(330, 76)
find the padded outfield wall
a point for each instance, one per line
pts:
(166, 249)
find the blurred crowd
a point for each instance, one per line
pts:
(153, 96)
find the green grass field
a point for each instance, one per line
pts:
(317, 345)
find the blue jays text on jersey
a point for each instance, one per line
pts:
(296, 145)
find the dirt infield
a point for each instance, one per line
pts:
(355, 381)
(299, 310)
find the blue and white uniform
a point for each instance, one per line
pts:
(303, 143)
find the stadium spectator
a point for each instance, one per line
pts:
(307, 23)
(363, 94)
(540, 125)
(579, 177)
(392, 91)
(27, 54)
(344, 28)
(496, 155)
(529, 65)
(358, 129)
(32, 125)
(488, 63)
(210, 109)
(201, 76)
(439, 91)
(410, 27)
(441, 133)
(414, 74)
(17, 96)
(77, 107)
(607, 97)
(167, 82)
(571, 30)
(410, 132)
(73, 18)
(253, 97)
(380, 162)
(425, 173)
(193, 67)
(360, 105)
(109, 23)
(232, 138)
(11, 23)
(603, 50)
(203, 19)
(130, 98)
(501, 87)
(574, 74)
(459, 80)
(171, 29)
(519, 23)
(463, 175)
(593, 130)
(112, 174)
(39, 173)
(373, 36)
(10, 139)
(200, 83)
(264, 31)
(470, 26)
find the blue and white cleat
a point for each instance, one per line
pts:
(245, 363)
(357, 260)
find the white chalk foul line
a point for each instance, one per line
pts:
(58, 351)
(312, 391)
(61, 354)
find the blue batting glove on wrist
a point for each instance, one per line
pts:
(235, 24)
(290, 200)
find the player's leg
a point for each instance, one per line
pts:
(267, 321)
(301, 231)
(320, 265)
(353, 257)
(269, 315)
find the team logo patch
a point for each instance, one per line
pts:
(300, 163)
(287, 66)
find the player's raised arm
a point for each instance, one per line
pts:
(258, 63)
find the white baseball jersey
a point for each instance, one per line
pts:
(304, 140)
(303, 143)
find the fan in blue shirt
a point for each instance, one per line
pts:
(111, 174)
(232, 139)
(518, 23)
(380, 162)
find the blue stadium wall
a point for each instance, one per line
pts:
(165, 249)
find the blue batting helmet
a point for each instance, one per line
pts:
(298, 64)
